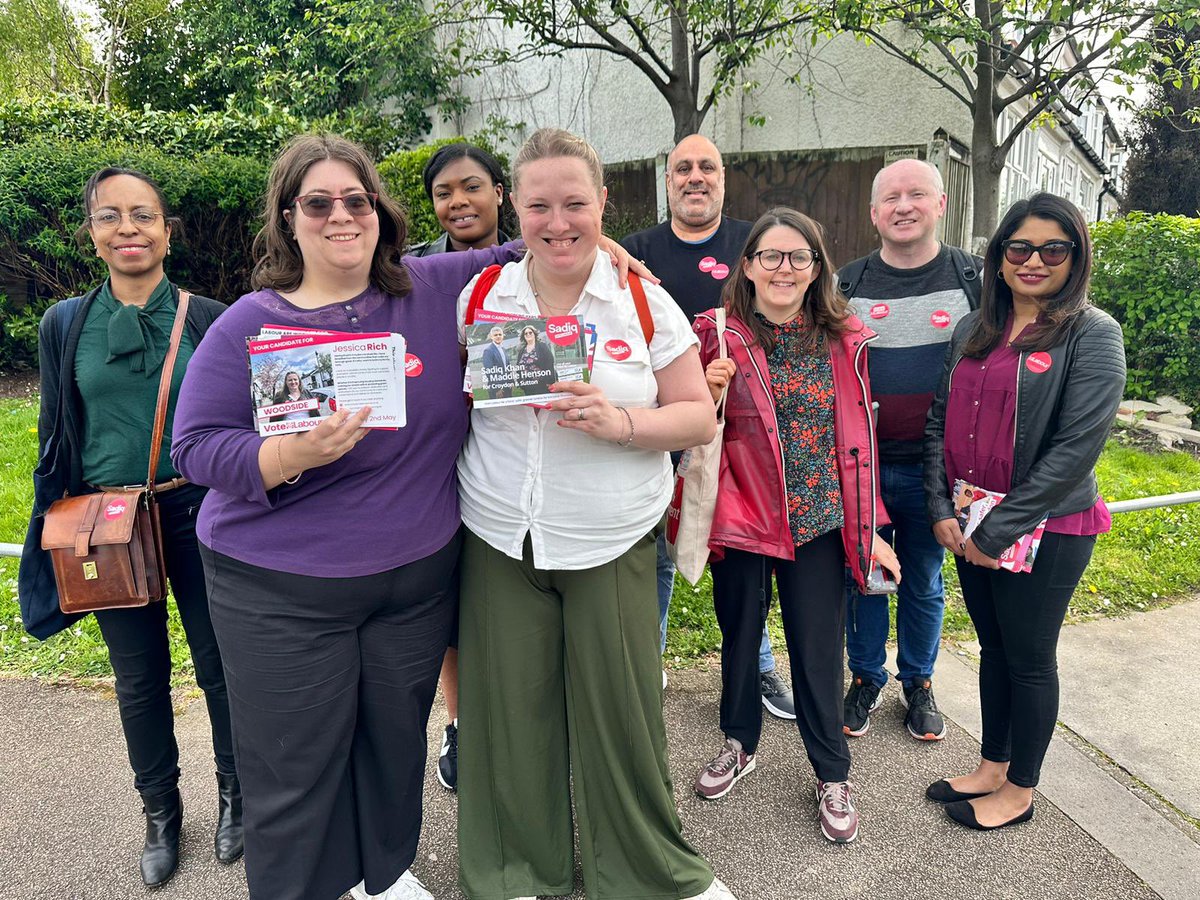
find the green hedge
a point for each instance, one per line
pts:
(1147, 276)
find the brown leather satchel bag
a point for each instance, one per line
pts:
(107, 547)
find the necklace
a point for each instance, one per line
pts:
(537, 295)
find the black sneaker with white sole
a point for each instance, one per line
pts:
(923, 720)
(447, 767)
(862, 699)
(776, 695)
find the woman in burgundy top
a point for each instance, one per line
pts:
(1032, 384)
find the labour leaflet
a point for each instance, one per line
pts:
(972, 504)
(513, 361)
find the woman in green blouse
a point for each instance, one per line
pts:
(101, 361)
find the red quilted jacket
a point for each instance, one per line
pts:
(751, 510)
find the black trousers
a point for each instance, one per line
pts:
(1018, 618)
(330, 685)
(812, 603)
(141, 657)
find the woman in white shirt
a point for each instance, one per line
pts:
(559, 658)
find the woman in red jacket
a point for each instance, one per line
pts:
(797, 496)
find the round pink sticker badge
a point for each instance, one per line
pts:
(413, 365)
(1037, 363)
(115, 510)
(720, 271)
(707, 264)
(940, 319)
(880, 311)
(618, 350)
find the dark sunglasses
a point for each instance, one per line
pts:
(320, 206)
(1052, 253)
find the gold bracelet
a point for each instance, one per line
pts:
(279, 462)
(629, 419)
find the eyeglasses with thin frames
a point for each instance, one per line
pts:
(107, 219)
(320, 206)
(1052, 253)
(773, 259)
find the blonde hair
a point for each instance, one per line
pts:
(555, 143)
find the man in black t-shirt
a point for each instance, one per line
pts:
(693, 253)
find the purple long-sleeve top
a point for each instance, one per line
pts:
(393, 498)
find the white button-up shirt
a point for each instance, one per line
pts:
(582, 501)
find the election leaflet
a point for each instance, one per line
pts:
(512, 361)
(298, 377)
(972, 504)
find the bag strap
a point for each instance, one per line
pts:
(164, 386)
(483, 287)
(850, 275)
(643, 307)
(723, 353)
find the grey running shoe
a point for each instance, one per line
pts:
(836, 812)
(776, 695)
(722, 773)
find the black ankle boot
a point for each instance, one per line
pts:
(160, 856)
(228, 842)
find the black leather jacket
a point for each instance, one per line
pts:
(1063, 418)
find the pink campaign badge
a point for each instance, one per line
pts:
(720, 271)
(707, 264)
(115, 510)
(413, 365)
(940, 319)
(618, 350)
(880, 311)
(1037, 363)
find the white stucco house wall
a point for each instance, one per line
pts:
(849, 95)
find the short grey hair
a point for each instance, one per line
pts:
(934, 172)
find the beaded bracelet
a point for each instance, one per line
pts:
(279, 462)
(629, 419)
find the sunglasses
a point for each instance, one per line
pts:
(1052, 253)
(320, 206)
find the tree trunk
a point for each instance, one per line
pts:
(687, 118)
(987, 162)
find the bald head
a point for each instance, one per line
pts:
(907, 200)
(695, 183)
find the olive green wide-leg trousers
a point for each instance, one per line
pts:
(560, 679)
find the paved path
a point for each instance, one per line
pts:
(70, 824)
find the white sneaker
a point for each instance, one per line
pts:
(716, 891)
(407, 887)
(664, 688)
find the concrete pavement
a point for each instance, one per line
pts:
(70, 823)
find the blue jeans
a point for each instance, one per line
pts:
(921, 599)
(666, 584)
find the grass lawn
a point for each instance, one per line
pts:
(1150, 559)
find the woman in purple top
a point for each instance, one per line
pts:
(1032, 384)
(331, 554)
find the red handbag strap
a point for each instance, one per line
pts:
(643, 307)
(164, 386)
(482, 288)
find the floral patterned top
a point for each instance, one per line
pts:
(802, 387)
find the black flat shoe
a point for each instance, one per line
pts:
(941, 792)
(963, 813)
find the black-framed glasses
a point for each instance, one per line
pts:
(111, 218)
(773, 259)
(1052, 253)
(320, 206)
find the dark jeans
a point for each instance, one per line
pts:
(920, 601)
(1018, 618)
(811, 602)
(330, 685)
(141, 658)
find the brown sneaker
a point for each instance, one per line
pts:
(836, 812)
(721, 774)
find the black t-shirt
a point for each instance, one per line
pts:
(692, 273)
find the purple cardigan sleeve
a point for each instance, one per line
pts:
(215, 443)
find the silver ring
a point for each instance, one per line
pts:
(581, 415)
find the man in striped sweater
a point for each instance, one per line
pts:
(911, 291)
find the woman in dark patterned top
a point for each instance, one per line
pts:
(796, 496)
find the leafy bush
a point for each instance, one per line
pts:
(1147, 276)
(217, 195)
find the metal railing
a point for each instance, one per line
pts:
(1117, 506)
